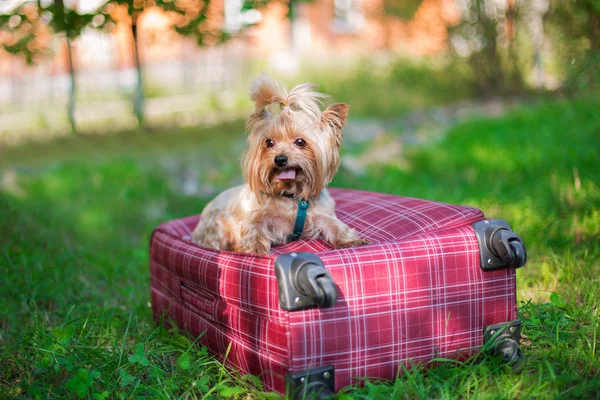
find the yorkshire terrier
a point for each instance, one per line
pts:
(292, 153)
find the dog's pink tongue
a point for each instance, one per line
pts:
(287, 174)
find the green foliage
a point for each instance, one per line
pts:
(193, 18)
(404, 9)
(391, 90)
(574, 27)
(70, 22)
(184, 361)
(138, 356)
(493, 60)
(20, 30)
(81, 382)
(192, 22)
(503, 49)
(576, 20)
(26, 23)
(258, 4)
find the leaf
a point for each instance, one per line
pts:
(63, 335)
(184, 362)
(35, 392)
(82, 374)
(557, 300)
(74, 385)
(101, 396)
(69, 364)
(156, 373)
(138, 356)
(270, 395)
(81, 382)
(203, 383)
(78, 383)
(230, 391)
(126, 379)
(180, 339)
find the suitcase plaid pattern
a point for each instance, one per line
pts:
(415, 293)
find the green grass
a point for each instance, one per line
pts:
(76, 216)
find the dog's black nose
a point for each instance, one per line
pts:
(281, 160)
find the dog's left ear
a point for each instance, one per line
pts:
(334, 118)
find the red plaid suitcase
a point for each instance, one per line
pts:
(437, 280)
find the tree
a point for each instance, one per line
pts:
(486, 36)
(198, 20)
(574, 26)
(70, 23)
(25, 26)
(191, 19)
(24, 33)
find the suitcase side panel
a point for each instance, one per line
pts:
(227, 300)
(245, 354)
(417, 299)
(241, 280)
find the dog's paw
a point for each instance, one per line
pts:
(253, 246)
(259, 249)
(351, 243)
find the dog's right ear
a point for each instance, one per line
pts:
(334, 118)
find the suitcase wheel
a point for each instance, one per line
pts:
(502, 340)
(304, 282)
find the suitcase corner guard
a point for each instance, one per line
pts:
(499, 246)
(304, 282)
(503, 340)
(316, 383)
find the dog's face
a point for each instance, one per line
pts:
(293, 146)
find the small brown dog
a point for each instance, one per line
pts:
(292, 153)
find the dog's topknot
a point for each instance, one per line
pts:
(266, 91)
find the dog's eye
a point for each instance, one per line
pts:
(300, 143)
(270, 143)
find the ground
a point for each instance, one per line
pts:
(77, 214)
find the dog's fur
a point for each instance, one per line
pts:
(256, 215)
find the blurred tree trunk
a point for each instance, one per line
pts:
(486, 64)
(59, 15)
(536, 26)
(515, 76)
(72, 87)
(292, 15)
(138, 100)
(510, 20)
